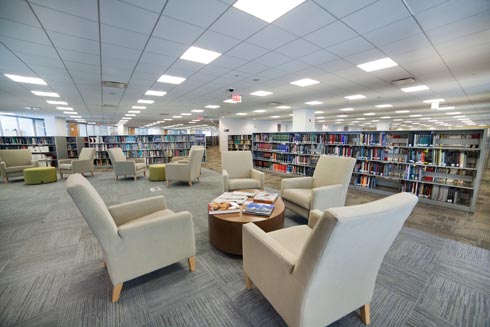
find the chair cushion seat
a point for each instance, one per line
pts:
(243, 183)
(16, 169)
(140, 165)
(293, 238)
(65, 166)
(299, 196)
(159, 213)
(157, 172)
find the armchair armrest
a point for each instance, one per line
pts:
(139, 160)
(128, 165)
(226, 180)
(81, 166)
(260, 176)
(3, 169)
(64, 161)
(35, 163)
(314, 217)
(298, 182)
(177, 159)
(262, 252)
(125, 212)
(326, 197)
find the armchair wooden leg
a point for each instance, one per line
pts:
(135, 177)
(366, 314)
(144, 173)
(190, 183)
(6, 180)
(115, 177)
(248, 282)
(116, 292)
(168, 182)
(61, 175)
(105, 264)
(92, 172)
(192, 263)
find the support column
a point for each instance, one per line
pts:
(383, 126)
(55, 126)
(304, 120)
(122, 130)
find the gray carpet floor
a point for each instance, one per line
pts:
(51, 271)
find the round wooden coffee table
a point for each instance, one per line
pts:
(225, 230)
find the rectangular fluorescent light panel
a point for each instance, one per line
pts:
(46, 94)
(146, 101)
(186, 114)
(369, 114)
(402, 111)
(76, 116)
(176, 116)
(197, 110)
(260, 110)
(200, 55)
(134, 111)
(138, 107)
(445, 108)
(64, 108)
(313, 103)
(241, 114)
(130, 115)
(347, 109)
(155, 93)
(25, 79)
(384, 106)
(57, 102)
(453, 113)
(434, 101)
(230, 101)
(211, 106)
(269, 10)
(171, 79)
(415, 88)
(377, 64)
(355, 97)
(261, 93)
(283, 107)
(70, 112)
(305, 82)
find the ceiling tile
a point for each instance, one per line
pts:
(166, 47)
(238, 24)
(295, 23)
(365, 56)
(247, 51)
(396, 31)
(253, 68)
(123, 38)
(318, 57)
(63, 41)
(22, 32)
(293, 66)
(417, 6)
(297, 48)
(216, 42)
(344, 8)
(228, 61)
(177, 31)
(128, 17)
(201, 13)
(272, 59)
(350, 47)
(331, 34)
(18, 11)
(86, 8)
(151, 5)
(271, 37)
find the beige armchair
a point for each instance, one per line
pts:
(84, 163)
(188, 171)
(136, 237)
(186, 158)
(314, 275)
(125, 167)
(13, 163)
(326, 189)
(238, 171)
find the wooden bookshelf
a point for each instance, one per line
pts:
(48, 147)
(242, 142)
(155, 148)
(74, 145)
(441, 167)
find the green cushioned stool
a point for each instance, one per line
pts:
(157, 172)
(40, 175)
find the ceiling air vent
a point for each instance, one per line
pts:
(114, 85)
(404, 81)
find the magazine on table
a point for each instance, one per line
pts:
(249, 194)
(216, 208)
(260, 209)
(265, 197)
(231, 197)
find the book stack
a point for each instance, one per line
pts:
(259, 209)
(265, 197)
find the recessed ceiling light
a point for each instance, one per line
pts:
(191, 122)
(398, 119)
(445, 108)
(305, 82)
(369, 114)
(385, 117)
(195, 120)
(57, 102)
(434, 101)
(275, 116)
(313, 103)
(425, 118)
(70, 112)
(355, 97)
(377, 64)
(138, 107)
(269, 10)
(31, 108)
(186, 114)
(211, 106)
(64, 108)
(46, 94)
(463, 116)
(384, 106)
(134, 111)
(283, 107)
(171, 79)
(146, 101)
(127, 118)
(362, 118)
(415, 88)
(375, 121)
(76, 116)
(453, 113)
(230, 101)
(402, 111)
(91, 123)
(321, 117)
(339, 119)
(260, 110)
(168, 119)
(261, 93)
(176, 116)
(25, 79)
(415, 115)
(197, 110)
(347, 109)
(200, 55)
(241, 114)
(130, 115)
(291, 115)
(319, 112)
(155, 93)
(342, 116)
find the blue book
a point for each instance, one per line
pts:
(259, 209)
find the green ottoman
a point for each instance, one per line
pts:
(40, 175)
(157, 172)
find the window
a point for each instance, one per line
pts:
(26, 126)
(21, 126)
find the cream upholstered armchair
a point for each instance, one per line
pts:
(326, 189)
(189, 170)
(184, 159)
(136, 237)
(123, 166)
(238, 171)
(13, 163)
(84, 163)
(314, 275)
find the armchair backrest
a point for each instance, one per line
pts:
(116, 155)
(87, 154)
(93, 210)
(238, 164)
(14, 158)
(332, 170)
(343, 255)
(195, 159)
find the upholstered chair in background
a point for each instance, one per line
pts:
(126, 167)
(84, 163)
(238, 171)
(183, 159)
(188, 170)
(13, 163)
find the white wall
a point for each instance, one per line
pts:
(55, 126)
(242, 126)
(304, 120)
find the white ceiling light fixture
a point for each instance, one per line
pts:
(91, 123)
(127, 118)
(176, 116)
(200, 55)
(372, 66)
(313, 103)
(402, 111)
(70, 112)
(46, 94)
(212, 106)
(138, 107)
(319, 112)
(130, 115)
(171, 79)
(269, 10)
(261, 93)
(260, 110)
(434, 105)
(415, 115)
(305, 82)
(369, 114)
(25, 79)
(64, 108)
(241, 114)
(347, 109)
(446, 108)
(168, 119)
(134, 111)
(186, 114)
(197, 110)
(230, 101)
(385, 117)
(64, 103)
(434, 101)
(155, 93)
(146, 101)
(416, 88)
(75, 116)
(283, 107)
(453, 113)
(275, 116)
(384, 106)
(355, 97)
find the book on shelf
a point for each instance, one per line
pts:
(259, 209)
(216, 208)
(265, 197)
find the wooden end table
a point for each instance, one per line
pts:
(225, 230)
